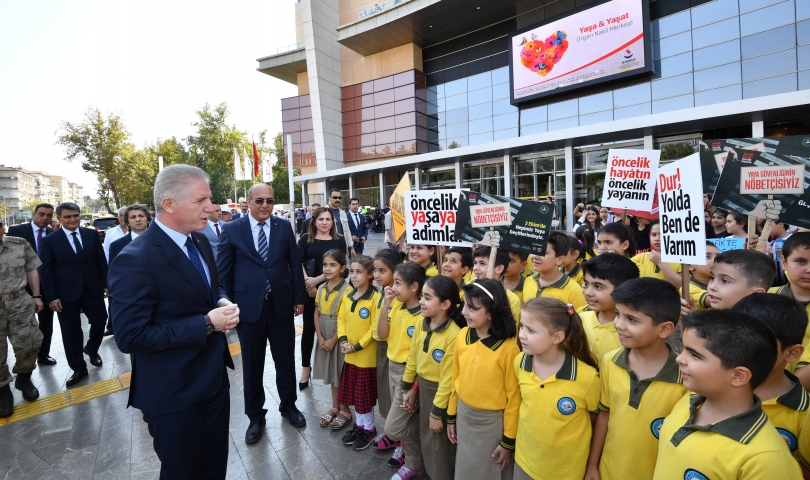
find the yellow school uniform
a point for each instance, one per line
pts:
(588, 256)
(526, 289)
(431, 357)
(743, 446)
(564, 289)
(469, 276)
(554, 428)
(788, 412)
(326, 298)
(355, 325)
(601, 338)
(514, 302)
(637, 410)
(805, 358)
(484, 379)
(575, 274)
(403, 323)
(431, 270)
(375, 334)
(698, 291)
(647, 268)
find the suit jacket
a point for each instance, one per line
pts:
(356, 230)
(211, 235)
(157, 304)
(26, 231)
(242, 271)
(118, 245)
(236, 216)
(63, 273)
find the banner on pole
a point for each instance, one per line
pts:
(683, 229)
(630, 179)
(430, 217)
(397, 202)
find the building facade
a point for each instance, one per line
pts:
(20, 188)
(421, 87)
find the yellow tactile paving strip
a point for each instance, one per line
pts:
(84, 393)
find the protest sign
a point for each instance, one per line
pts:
(430, 217)
(630, 179)
(491, 215)
(397, 202)
(527, 232)
(772, 180)
(683, 230)
(726, 244)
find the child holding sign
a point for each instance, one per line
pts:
(551, 281)
(650, 264)
(423, 255)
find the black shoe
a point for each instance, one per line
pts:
(77, 377)
(95, 358)
(254, 431)
(108, 332)
(351, 435)
(6, 402)
(46, 361)
(364, 439)
(24, 384)
(304, 385)
(295, 417)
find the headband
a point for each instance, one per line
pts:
(485, 291)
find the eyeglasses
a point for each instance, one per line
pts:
(336, 198)
(261, 201)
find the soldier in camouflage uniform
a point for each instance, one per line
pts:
(18, 322)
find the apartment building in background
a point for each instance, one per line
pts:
(19, 188)
(425, 88)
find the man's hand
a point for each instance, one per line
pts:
(224, 318)
(298, 310)
(224, 302)
(355, 239)
(769, 209)
(56, 306)
(362, 239)
(38, 305)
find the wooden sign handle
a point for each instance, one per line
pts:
(491, 266)
(685, 281)
(752, 230)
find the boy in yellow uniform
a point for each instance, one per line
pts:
(783, 397)
(572, 265)
(551, 281)
(700, 276)
(736, 274)
(721, 431)
(796, 264)
(458, 264)
(524, 287)
(641, 381)
(601, 276)
(480, 266)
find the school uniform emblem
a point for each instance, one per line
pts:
(364, 313)
(655, 426)
(409, 331)
(566, 405)
(691, 474)
(438, 355)
(789, 438)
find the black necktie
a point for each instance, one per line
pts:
(77, 244)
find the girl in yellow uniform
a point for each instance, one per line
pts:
(424, 255)
(587, 238)
(328, 359)
(559, 389)
(358, 382)
(484, 400)
(650, 264)
(615, 238)
(428, 376)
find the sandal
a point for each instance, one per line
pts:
(341, 420)
(327, 417)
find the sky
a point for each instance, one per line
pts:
(154, 63)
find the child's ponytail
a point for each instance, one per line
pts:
(447, 290)
(560, 317)
(577, 341)
(586, 236)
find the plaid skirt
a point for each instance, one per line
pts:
(358, 387)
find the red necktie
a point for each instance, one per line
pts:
(216, 225)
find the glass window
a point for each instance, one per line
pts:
(803, 32)
(568, 108)
(432, 109)
(505, 134)
(716, 33)
(456, 87)
(717, 55)
(804, 57)
(598, 117)
(769, 65)
(439, 90)
(718, 95)
(672, 87)
(596, 103)
(480, 138)
(500, 91)
(770, 41)
(804, 80)
(385, 137)
(533, 115)
(632, 111)
(367, 139)
(479, 81)
(672, 66)
(457, 142)
(501, 122)
(386, 96)
(407, 133)
(677, 23)
(674, 103)
(387, 109)
(456, 101)
(523, 167)
(387, 123)
(441, 104)
(469, 172)
(404, 120)
(457, 130)
(768, 18)
(524, 187)
(481, 110)
(403, 106)
(503, 106)
(673, 45)
(479, 96)
(631, 95)
(802, 10)
(750, 5)
(384, 83)
(401, 93)
(717, 77)
(714, 11)
(500, 75)
(456, 116)
(564, 123)
(480, 126)
(770, 86)
(532, 129)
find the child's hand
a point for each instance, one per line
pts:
(345, 348)
(502, 456)
(592, 472)
(389, 295)
(321, 341)
(436, 425)
(655, 257)
(451, 434)
(688, 307)
(329, 344)
(409, 401)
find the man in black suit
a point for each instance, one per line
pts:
(357, 225)
(34, 232)
(137, 220)
(260, 270)
(74, 276)
(162, 300)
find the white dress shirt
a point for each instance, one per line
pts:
(69, 234)
(36, 230)
(212, 227)
(111, 235)
(255, 231)
(180, 240)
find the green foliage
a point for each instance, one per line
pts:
(278, 150)
(676, 151)
(281, 186)
(453, 145)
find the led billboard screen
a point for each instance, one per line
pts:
(592, 45)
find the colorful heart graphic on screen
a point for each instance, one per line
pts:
(540, 56)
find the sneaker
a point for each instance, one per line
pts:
(384, 443)
(404, 474)
(364, 439)
(351, 435)
(397, 459)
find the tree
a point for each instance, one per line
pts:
(676, 151)
(453, 145)
(278, 150)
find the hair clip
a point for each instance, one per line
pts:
(570, 308)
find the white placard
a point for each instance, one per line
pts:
(683, 229)
(776, 179)
(491, 215)
(430, 217)
(630, 179)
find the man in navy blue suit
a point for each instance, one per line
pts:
(74, 276)
(162, 301)
(357, 225)
(136, 219)
(259, 269)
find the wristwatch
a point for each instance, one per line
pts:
(209, 324)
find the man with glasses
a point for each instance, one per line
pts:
(341, 220)
(260, 270)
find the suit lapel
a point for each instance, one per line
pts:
(249, 239)
(275, 233)
(177, 257)
(66, 242)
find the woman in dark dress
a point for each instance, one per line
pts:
(321, 237)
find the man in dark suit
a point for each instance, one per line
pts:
(162, 300)
(136, 220)
(74, 276)
(357, 225)
(259, 270)
(34, 232)
(213, 229)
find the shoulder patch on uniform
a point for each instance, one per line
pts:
(410, 331)
(438, 355)
(692, 474)
(364, 313)
(789, 439)
(655, 426)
